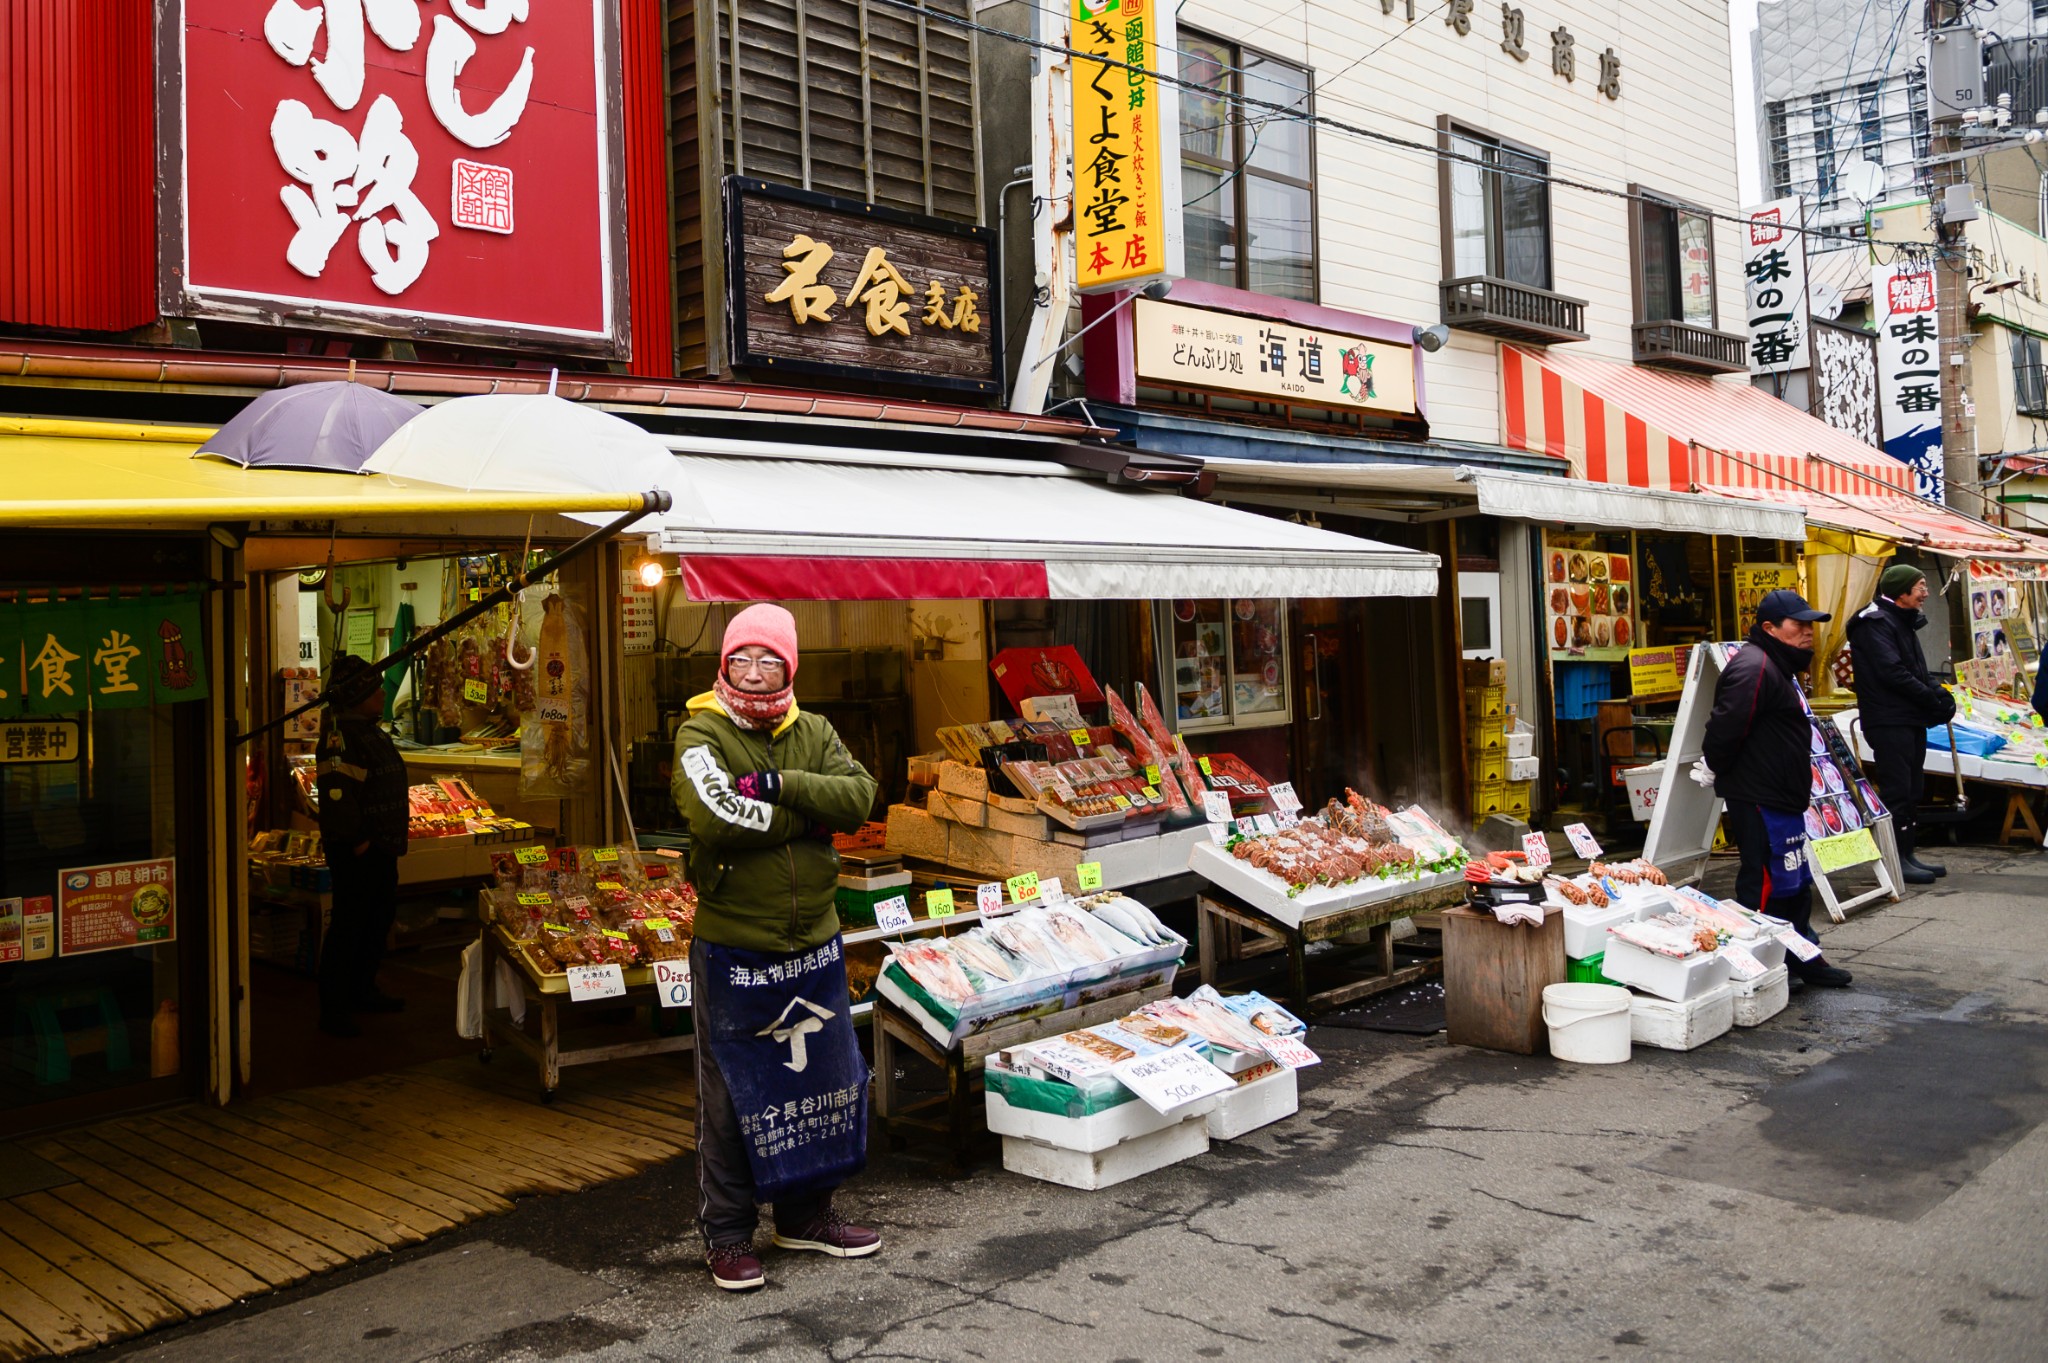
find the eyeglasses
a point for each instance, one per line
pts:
(764, 664)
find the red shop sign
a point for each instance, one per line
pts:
(413, 167)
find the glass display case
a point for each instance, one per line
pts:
(1224, 663)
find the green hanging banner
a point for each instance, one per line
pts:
(56, 640)
(119, 675)
(10, 660)
(170, 633)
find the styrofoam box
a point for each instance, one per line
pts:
(1763, 998)
(1258, 1103)
(1681, 1026)
(1769, 951)
(1099, 1131)
(1585, 928)
(1268, 893)
(1089, 1170)
(1521, 742)
(1668, 977)
(1524, 768)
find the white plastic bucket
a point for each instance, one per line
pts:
(1588, 1022)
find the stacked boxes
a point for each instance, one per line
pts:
(1497, 753)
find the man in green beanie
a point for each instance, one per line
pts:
(1898, 700)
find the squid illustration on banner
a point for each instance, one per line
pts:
(1127, 209)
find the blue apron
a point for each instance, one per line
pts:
(1785, 868)
(780, 1028)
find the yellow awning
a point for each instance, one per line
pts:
(109, 474)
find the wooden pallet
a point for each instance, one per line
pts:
(179, 1213)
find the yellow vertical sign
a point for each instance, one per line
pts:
(1127, 219)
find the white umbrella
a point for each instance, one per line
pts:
(534, 443)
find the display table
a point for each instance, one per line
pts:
(550, 994)
(1221, 919)
(963, 1062)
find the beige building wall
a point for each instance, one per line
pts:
(1380, 228)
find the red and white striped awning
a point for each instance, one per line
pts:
(1619, 423)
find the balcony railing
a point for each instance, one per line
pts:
(1696, 350)
(1500, 307)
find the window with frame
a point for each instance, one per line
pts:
(1674, 263)
(1499, 209)
(1247, 174)
(2029, 385)
(1225, 662)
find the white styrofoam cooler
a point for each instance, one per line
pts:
(1185, 1138)
(1643, 784)
(1096, 1132)
(1762, 998)
(1521, 741)
(1667, 977)
(1585, 928)
(1769, 951)
(1682, 1026)
(1524, 768)
(1252, 1105)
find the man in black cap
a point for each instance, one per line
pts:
(1759, 745)
(364, 816)
(1897, 701)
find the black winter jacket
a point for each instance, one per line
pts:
(1893, 685)
(1759, 742)
(362, 788)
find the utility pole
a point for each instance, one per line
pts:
(1963, 479)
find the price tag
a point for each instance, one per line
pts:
(1088, 875)
(1203, 763)
(1844, 849)
(1582, 840)
(1216, 805)
(989, 897)
(672, 983)
(1265, 823)
(893, 914)
(1799, 946)
(1289, 1051)
(476, 593)
(530, 856)
(1219, 833)
(1024, 888)
(1743, 965)
(610, 885)
(475, 692)
(1050, 889)
(938, 903)
(1152, 772)
(1122, 802)
(1172, 1079)
(1537, 846)
(1152, 794)
(1284, 797)
(1080, 737)
(588, 982)
(1065, 1060)
(535, 899)
(1289, 820)
(603, 854)
(2041, 759)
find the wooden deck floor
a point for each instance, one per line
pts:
(179, 1213)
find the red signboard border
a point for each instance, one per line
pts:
(176, 299)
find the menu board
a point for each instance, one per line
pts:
(1589, 599)
(1753, 582)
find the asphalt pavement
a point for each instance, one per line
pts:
(1862, 1177)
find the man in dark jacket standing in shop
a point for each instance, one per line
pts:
(363, 829)
(1897, 701)
(1759, 745)
(781, 1083)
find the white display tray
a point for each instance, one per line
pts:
(1668, 977)
(1267, 893)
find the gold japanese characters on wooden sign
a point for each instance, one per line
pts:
(820, 285)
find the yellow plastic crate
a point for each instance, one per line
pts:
(1486, 735)
(1489, 767)
(1518, 798)
(1486, 702)
(1489, 797)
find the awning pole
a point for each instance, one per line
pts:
(1905, 531)
(651, 503)
(1999, 530)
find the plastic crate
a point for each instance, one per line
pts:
(1487, 766)
(1580, 687)
(1586, 970)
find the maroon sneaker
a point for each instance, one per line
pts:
(736, 1268)
(830, 1233)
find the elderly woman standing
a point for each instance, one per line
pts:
(781, 1084)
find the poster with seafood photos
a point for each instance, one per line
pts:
(1999, 603)
(1589, 599)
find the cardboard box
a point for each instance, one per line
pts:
(969, 783)
(914, 833)
(1486, 672)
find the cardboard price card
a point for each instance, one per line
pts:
(1799, 946)
(1744, 965)
(1290, 1051)
(1216, 805)
(672, 983)
(1088, 875)
(1172, 1079)
(1050, 889)
(1024, 888)
(1843, 850)
(1537, 846)
(1582, 840)
(588, 982)
(988, 897)
(938, 903)
(1283, 796)
(530, 856)
(893, 914)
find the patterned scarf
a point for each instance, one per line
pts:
(753, 710)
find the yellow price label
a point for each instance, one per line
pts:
(938, 903)
(1080, 737)
(1120, 801)
(530, 856)
(1024, 888)
(659, 924)
(554, 927)
(2035, 719)
(1088, 875)
(535, 899)
(475, 691)
(613, 932)
(610, 885)
(476, 593)
(1151, 775)
(1203, 763)
(1152, 794)
(604, 854)
(2041, 759)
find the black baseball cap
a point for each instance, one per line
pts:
(1786, 604)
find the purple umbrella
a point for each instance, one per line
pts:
(318, 427)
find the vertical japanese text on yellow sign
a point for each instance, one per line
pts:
(1126, 144)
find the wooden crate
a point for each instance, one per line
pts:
(1494, 977)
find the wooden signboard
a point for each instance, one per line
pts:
(822, 285)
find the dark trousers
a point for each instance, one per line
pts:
(1753, 887)
(365, 905)
(726, 1211)
(1898, 764)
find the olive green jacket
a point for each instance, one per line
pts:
(766, 875)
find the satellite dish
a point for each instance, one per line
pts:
(1862, 180)
(1825, 299)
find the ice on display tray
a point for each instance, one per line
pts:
(1269, 893)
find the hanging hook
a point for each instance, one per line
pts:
(512, 636)
(327, 578)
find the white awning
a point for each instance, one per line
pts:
(751, 528)
(1516, 496)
